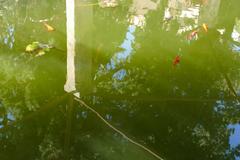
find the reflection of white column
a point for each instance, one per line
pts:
(70, 11)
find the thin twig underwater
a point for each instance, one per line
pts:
(117, 130)
(221, 69)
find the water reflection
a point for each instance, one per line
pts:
(120, 57)
(234, 139)
(9, 39)
(181, 112)
(209, 132)
(138, 10)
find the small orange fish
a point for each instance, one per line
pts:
(48, 27)
(192, 35)
(205, 27)
(176, 60)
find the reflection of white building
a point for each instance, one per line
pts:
(176, 6)
(209, 13)
(139, 9)
(182, 11)
(236, 38)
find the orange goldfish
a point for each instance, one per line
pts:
(48, 27)
(192, 35)
(176, 60)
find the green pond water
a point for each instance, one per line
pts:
(166, 73)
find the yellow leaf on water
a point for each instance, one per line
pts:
(205, 27)
(41, 53)
(32, 47)
(48, 27)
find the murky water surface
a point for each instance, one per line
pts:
(164, 72)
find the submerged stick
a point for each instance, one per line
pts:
(118, 131)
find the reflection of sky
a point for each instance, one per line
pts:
(234, 139)
(235, 35)
(235, 48)
(9, 117)
(192, 12)
(122, 56)
(119, 75)
(8, 37)
(127, 49)
(182, 16)
(1, 119)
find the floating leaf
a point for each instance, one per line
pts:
(38, 48)
(47, 49)
(31, 47)
(205, 27)
(40, 53)
(48, 27)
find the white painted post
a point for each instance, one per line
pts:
(70, 15)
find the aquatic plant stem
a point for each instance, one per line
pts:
(117, 130)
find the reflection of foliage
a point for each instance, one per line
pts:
(229, 112)
(15, 81)
(171, 127)
(48, 149)
(237, 27)
(7, 27)
(214, 142)
(7, 37)
(125, 82)
(207, 133)
(202, 135)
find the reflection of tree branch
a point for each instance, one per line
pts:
(49, 105)
(230, 86)
(221, 69)
(149, 98)
(117, 130)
